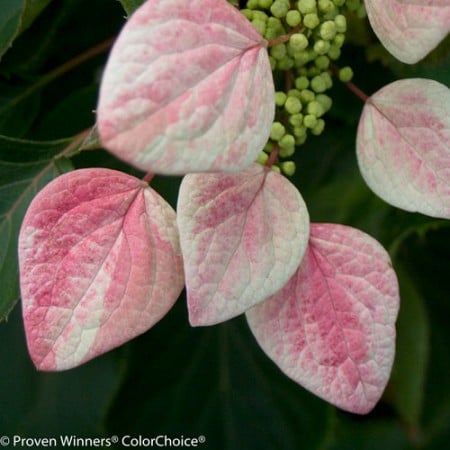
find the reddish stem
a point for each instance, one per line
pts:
(75, 146)
(148, 177)
(289, 79)
(273, 157)
(357, 91)
(284, 37)
(59, 71)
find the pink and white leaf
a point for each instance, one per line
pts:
(403, 145)
(242, 237)
(187, 88)
(99, 264)
(332, 326)
(409, 29)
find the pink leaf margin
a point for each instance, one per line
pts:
(332, 327)
(242, 236)
(403, 145)
(409, 29)
(187, 88)
(99, 264)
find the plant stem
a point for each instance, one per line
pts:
(148, 177)
(355, 89)
(61, 70)
(284, 37)
(288, 80)
(75, 146)
(273, 156)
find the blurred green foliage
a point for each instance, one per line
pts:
(211, 381)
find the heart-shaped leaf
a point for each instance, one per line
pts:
(331, 328)
(99, 264)
(409, 29)
(242, 236)
(187, 88)
(403, 145)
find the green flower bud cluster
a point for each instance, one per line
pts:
(305, 37)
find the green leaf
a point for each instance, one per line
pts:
(427, 258)
(10, 14)
(32, 9)
(131, 5)
(405, 225)
(52, 404)
(407, 384)
(92, 142)
(368, 433)
(16, 16)
(16, 113)
(25, 167)
(68, 117)
(215, 382)
(434, 66)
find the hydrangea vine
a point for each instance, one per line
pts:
(225, 95)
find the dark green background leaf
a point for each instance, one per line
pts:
(222, 386)
(32, 9)
(15, 17)
(10, 14)
(48, 404)
(406, 387)
(426, 257)
(32, 106)
(131, 5)
(25, 167)
(16, 118)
